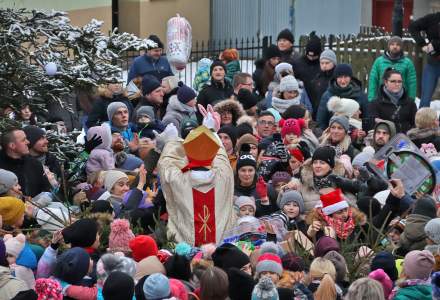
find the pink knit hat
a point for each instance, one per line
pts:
(384, 279)
(120, 236)
(418, 264)
(47, 288)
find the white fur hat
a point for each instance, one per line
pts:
(342, 106)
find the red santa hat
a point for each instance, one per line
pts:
(333, 202)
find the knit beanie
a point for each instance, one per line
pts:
(314, 45)
(178, 289)
(247, 98)
(14, 245)
(326, 244)
(288, 83)
(330, 55)
(271, 247)
(265, 290)
(245, 200)
(217, 63)
(113, 107)
(47, 288)
(284, 68)
(111, 177)
(271, 52)
(149, 84)
(148, 266)
(185, 93)
(418, 264)
(110, 262)
(156, 286)
(7, 181)
(230, 131)
(292, 262)
(395, 39)
(432, 230)
(246, 159)
(280, 177)
(343, 106)
(425, 206)
(297, 153)
(246, 139)
(178, 267)
(155, 39)
(286, 34)
(33, 134)
(229, 256)
(120, 235)
(365, 156)
(326, 154)
(230, 54)
(341, 120)
(72, 265)
(292, 196)
(384, 280)
(118, 286)
(294, 126)
(343, 70)
(385, 260)
(269, 262)
(339, 262)
(11, 210)
(82, 233)
(147, 111)
(142, 246)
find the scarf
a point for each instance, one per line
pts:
(342, 228)
(282, 104)
(394, 97)
(321, 182)
(407, 283)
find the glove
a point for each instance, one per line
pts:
(364, 174)
(261, 188)
(211, 118)
(91, 144)
(281, 152)
(170, 133)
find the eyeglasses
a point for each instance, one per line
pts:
(262, 122)
(395, 81)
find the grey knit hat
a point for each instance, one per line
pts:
(341, 120)
(395, 39)
(330, 55)
(269, 262)
(432, 230)
(289, 83)
(265, 290)
(291, 196)
(7, 181)
(145, 111)
(113, 107)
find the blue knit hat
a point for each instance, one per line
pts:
(72, 265)
(156, 286)
(343, 70)
(185, 93)
(149, 84)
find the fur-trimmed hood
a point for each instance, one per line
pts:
(307, 172)
(359, 217)
(417, 133)
(231, 105)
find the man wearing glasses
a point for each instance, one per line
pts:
(265, 125)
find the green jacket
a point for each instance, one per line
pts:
(403, 64)
(414, 292)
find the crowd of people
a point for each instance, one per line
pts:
(243, 186)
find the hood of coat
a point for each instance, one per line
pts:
(352, 91)
(395, 59)
(232, 106)
(307, 172)
(391, 127)
(415, 227)
(104, 132)
(177, 106)
(418, 134)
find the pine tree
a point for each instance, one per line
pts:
(43, 58)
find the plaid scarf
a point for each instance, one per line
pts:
(342, 228)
